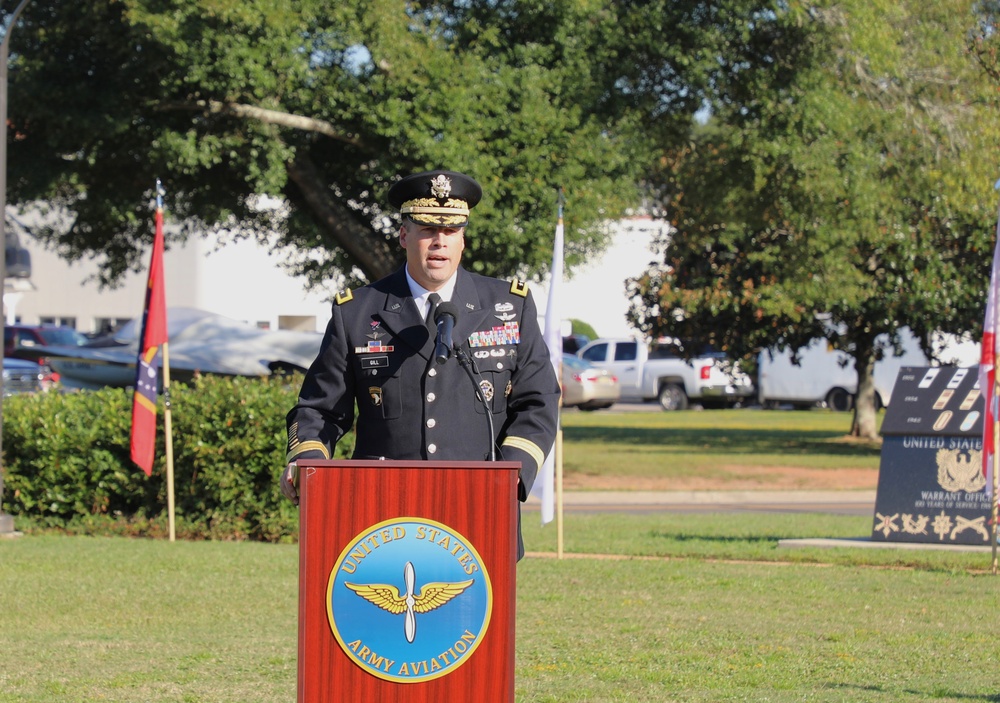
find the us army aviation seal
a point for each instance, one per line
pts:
(409, 600)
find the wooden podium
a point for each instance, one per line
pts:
(407, 581)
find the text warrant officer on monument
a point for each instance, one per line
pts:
(379, 352)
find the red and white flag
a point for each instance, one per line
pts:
(988, 364)
(147, 368)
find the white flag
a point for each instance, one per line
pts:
(544, 487)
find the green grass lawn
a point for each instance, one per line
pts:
(646, 607)
(710, 442)
(112, 619)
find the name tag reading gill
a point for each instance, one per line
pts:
(375, 362)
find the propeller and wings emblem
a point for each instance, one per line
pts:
(387, 597)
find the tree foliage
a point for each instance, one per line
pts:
(319, 106)
(841, 190)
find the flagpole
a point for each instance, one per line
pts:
(988, 354)
(559, 490)
(6, 521)
(989, 384)
(169, 438)
(996, 477)
(548, 483)
(559, 433)
(152, 343)
(167, 428)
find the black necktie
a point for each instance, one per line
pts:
(432, 302)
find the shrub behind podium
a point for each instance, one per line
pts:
(67, 464)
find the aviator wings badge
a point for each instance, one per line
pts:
(387, 597)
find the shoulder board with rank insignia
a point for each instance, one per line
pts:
(519, 288)
(344, 296)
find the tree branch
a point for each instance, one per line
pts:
(371, 252)
(282, 119)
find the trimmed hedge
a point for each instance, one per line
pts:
(67, 464)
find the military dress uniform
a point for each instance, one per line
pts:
(378, 355)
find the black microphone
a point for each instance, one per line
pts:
(466, 362)
(444, 318)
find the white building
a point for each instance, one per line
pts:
(241, 280)
(244, 281)
(595, 291)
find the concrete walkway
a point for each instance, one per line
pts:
(860, 503)
(838, 502)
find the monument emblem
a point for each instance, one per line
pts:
(957, 473)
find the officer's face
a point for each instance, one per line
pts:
(432, 253)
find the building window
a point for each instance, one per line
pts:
(108, 325)
(297, 323)
(58, 321)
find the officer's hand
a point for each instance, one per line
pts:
(289, 483)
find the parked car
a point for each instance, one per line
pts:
(17, 339)
(587, 387)
(663, 374)
(23, 376)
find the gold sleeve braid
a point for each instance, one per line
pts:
(525, 445)
(297, 447)
(305, 447)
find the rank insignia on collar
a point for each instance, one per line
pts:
(344, 296)
(376, 394)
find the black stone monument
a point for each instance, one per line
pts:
(931, 486)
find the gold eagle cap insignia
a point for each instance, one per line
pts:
(958, 474)
(431, 596)
(441, 186)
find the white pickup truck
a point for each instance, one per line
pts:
(661, 374)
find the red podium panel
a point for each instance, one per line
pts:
(407, 581)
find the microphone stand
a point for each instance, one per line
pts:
(469, 366)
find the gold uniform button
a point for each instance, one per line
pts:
(431, 397)
(431, 422)
(431, 448)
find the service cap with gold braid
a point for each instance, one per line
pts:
(436, 198)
